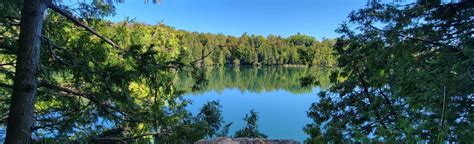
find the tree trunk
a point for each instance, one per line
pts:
(20, 119)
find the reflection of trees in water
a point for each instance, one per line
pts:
(256, 79)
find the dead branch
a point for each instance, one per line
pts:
(205, 56)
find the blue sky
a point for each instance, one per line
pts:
(318, 18)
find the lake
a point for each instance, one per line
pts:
(274, 92)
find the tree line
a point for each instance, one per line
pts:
(219, 49)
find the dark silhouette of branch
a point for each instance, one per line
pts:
(205, 56)
(49, 125)
(123, 140)
(6, 85)
(443, 109)
(323, 66)
(365, 89)
(10, 21)
(87, 95)
(419, 39)
(470, 71)
(108, 140)
(388, 103)
(4, 116)
(142, 135)
(67, 90)
(50, 49)
(9, 24)
(79, 23)
(209, 53)
(7, 64)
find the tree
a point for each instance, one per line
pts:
(224, 131)
(251, 129)
(402, 76)
(206, 124)
(20, 119)
(301, 40)
(211, 114)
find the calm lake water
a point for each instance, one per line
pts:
(274, 92)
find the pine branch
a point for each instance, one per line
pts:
(4, 116)
(79, 23)
(142, 135)
(418, 39)
(51, 124)
(123, 140)
(50, 49)
(87, 95)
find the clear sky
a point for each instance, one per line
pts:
(318, 18)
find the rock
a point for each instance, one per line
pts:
(226, 140)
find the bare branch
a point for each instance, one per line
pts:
(205, 56)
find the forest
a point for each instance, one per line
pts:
(219, 49)
(399, 72)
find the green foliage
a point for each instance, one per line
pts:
(89, 90)
(405, 76)
(217, 49)
(224, 132)
(301, 40)
(206, 124)
(251, 129)
(211, 114)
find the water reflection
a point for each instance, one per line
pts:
(274, 92)
(256, 79)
